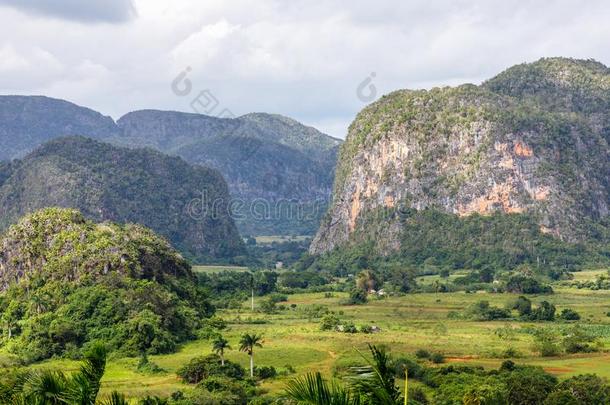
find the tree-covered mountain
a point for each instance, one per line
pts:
(530, 145)
(279, 171)
(110, 183)
(66, 282)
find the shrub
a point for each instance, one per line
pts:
(350, 328)
(526, 285)
(402, 364)
(569, 315)
(329, 322)
(422, 354)
(522, 305)
(366, 329)
(200, 368)
(357, 297)
(482, 311)
(265, 372)
(277, 297)
(544, 312)
(437, 358)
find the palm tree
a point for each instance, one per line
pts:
(313, 389)
(247, 344)
(375, 382)
(54, 387)
(219, 345)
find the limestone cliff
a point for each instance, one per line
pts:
(532, 140)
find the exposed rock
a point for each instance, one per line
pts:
(503, 146)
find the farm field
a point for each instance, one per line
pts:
(217, 268)
(417, 321)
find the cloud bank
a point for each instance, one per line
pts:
(304, 59)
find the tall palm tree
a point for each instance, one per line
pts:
(247, 344)
(219, 345)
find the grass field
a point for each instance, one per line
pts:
(268, 239)
(217, 268)
(407, 323)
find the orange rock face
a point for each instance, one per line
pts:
(522, 150)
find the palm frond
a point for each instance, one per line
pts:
(315, 390)
(376, 381)
(114, 399)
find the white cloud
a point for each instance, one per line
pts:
(300, 58)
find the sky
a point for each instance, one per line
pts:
(319, 62)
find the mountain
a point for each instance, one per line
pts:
(29, 121)
(279, 171)
(514, 168)
(110, 183)
(67, 282)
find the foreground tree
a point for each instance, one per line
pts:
(219, 345)
(372, 384)
(55, 387)
(314, 389)
(247, 344)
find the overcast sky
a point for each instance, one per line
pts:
(303, 59)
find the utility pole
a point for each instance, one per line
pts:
(252, 288)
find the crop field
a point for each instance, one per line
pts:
(292, 337)
(217, 269)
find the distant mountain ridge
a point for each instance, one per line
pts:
(111, 183)
(267, 159)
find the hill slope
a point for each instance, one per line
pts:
(142, 186)
(275, 166)
(65, 282)
(532, 142)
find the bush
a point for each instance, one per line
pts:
(418, 395)
(329, 322)
(437, 358)
(526, 285)
(482, 311)
(277, 297)
(357, 297)
(422, 354)
(402, 364)
(544, 312)
(349, 327)
(265, 372)
(366, 329)
(522, 305)
(200, 368)
(569, 315)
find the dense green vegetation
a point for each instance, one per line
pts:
(186, 204)
(491, 246)
(69, 282)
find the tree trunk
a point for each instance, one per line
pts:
(252, 299)
(222, 359)
(251, 365)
